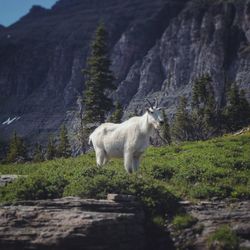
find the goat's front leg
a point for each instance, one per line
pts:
(128, 162)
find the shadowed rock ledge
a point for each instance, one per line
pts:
(73, 223)
(211, 215)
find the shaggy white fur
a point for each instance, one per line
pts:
(127, 140)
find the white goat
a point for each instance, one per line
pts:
(128, 139)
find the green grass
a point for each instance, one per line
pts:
(193, 170)
(183, 221)
(224, 239)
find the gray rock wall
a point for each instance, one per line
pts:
(201, 39)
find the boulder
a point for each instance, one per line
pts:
(5, 179)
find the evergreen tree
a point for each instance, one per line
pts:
(1, 149)
(204, 113)
(38, 153)
(237, 110)
(64, 149)
(16, 149)
(98, 79)
(202, 89)
(245, 109)
(182, 125)
(165, 129)
(51, 149)
(116, 117)
(135, 112)
(82, 133)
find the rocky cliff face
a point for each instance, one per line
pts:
(157, 48)
(212, 38)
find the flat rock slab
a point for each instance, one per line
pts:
(71, 223)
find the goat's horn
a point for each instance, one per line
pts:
(156, 103)
(150, 104)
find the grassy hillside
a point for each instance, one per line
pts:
(194, 170)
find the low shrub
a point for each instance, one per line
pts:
(34, 187)
(154, 195)
(223, 239)
(205, 190)
(183, 221)
(161, 172)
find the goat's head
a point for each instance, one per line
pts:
(155, 114)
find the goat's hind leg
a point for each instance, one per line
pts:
(101, 157)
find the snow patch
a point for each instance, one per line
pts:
(9, 120)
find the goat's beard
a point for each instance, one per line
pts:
(156, 126)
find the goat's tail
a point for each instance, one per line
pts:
(90, 139)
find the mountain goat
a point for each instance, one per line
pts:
(126, 140)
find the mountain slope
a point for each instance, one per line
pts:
(157, 47)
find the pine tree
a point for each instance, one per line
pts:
(237, 110)
(16, 149)
(182, 125)
(165, 129)
(82, 133)
(98, 79)
(245, 109)
(116, 117)
(2, 153)
(204, 113)
(64, 149)
(135, 112)
(51, 149)
(38, 153)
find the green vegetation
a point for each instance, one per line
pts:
(208, 119)
(51, 149)
(194, 170)
(165, 129)
(64, 149)
(17, 149)
(38, 153)
(181, 127)
(98, 79)
(237, 111)
(204, 112)
(224, 238)
(116, 116)
(183, 221)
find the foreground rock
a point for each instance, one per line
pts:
(8, 178)
(72, 223)
(211, 215)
